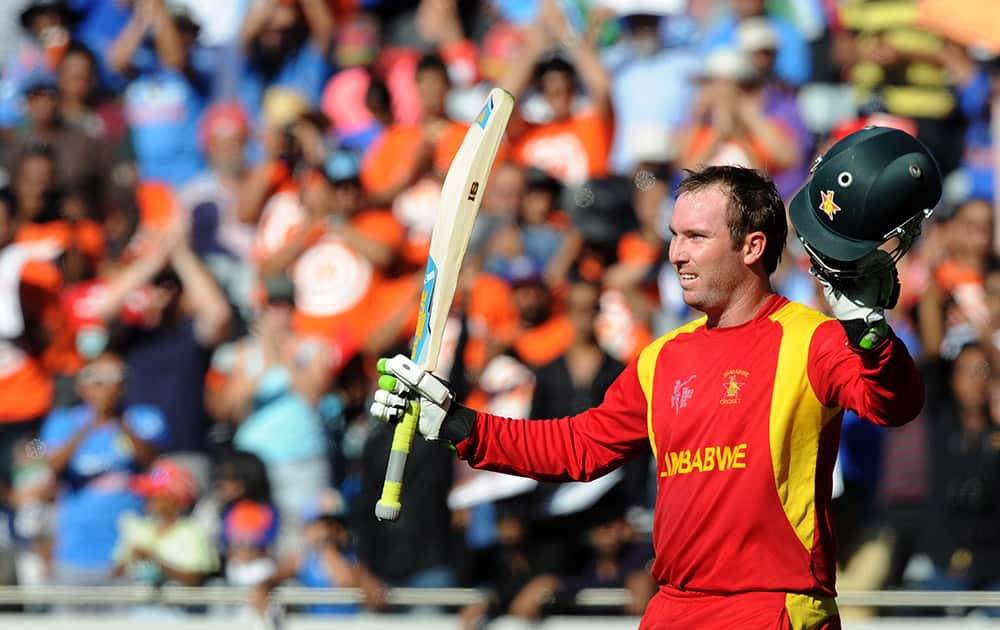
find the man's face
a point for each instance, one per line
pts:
(970, 378)
(43, 107)
(763, 62)
(34, 182)
(43, 21)
(76, 77)
(227, 152)
(101, 383)
(557, 89)
(702, 251)
(582, 307)
(505, 190)
(532, 301)
(971, 229)
(748, 8)
(432, 86)
(276, 35)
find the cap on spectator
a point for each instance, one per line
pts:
(281, 106)
(501, 46)
(41, 82)
(36, 7)
(250, 524)
(166, 478)
(756, 34)
(226, 118)
(644, 7)
(328, 504)
(357, 42)
(343, 101)
(651, 144)
(342, 166)
(727, 63)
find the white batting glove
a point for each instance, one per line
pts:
(860, 304)
(402, 381)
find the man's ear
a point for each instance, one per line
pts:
(753, 247)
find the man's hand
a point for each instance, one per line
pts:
(860, 304)
(402, 383)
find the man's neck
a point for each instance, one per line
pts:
(743, 307)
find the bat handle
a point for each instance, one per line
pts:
(389, 507)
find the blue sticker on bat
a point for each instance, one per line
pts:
(484, 115)
(423, 333)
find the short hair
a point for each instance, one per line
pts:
(555, 63)
(77, 47)
(434, 63)
(754, 206)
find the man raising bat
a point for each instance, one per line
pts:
(741, 407)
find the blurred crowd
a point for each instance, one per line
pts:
(214, 217)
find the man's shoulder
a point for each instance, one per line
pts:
(792, 312)
(647, 355)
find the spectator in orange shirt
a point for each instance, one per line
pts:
(28, 315)
(544, 334)
(570, 145)
(336, 254)
(953, 309)
(728, 123)
(55, 227)
(406, 153)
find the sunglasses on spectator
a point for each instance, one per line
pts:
(101, 375)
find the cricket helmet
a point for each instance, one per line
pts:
(871, 189)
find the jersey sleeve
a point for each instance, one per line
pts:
(574, 448)
(883, 387)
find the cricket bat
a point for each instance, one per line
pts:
(461, 195)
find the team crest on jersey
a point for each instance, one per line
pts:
(732, 386)
(827, 206)
(682, 394)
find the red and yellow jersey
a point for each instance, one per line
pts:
(744, 423)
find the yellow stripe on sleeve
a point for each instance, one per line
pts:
(797, 418)
(647, 367)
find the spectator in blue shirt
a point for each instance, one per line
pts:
(665, 76)
(47, 26)
(93, 449)
(327, 560)
(167, 90)
(283, 42)
(792, 64)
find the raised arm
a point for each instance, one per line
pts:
(211, 310)
(881, 385)
(320, 22)
(574, 448)
(166, 38)
(128, 41)
(583, 54)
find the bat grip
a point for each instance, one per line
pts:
(389, 506)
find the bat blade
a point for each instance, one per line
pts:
(461, 196)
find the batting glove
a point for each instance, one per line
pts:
(860, 303)
(402, 381)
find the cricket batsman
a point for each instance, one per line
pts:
(741, 407)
